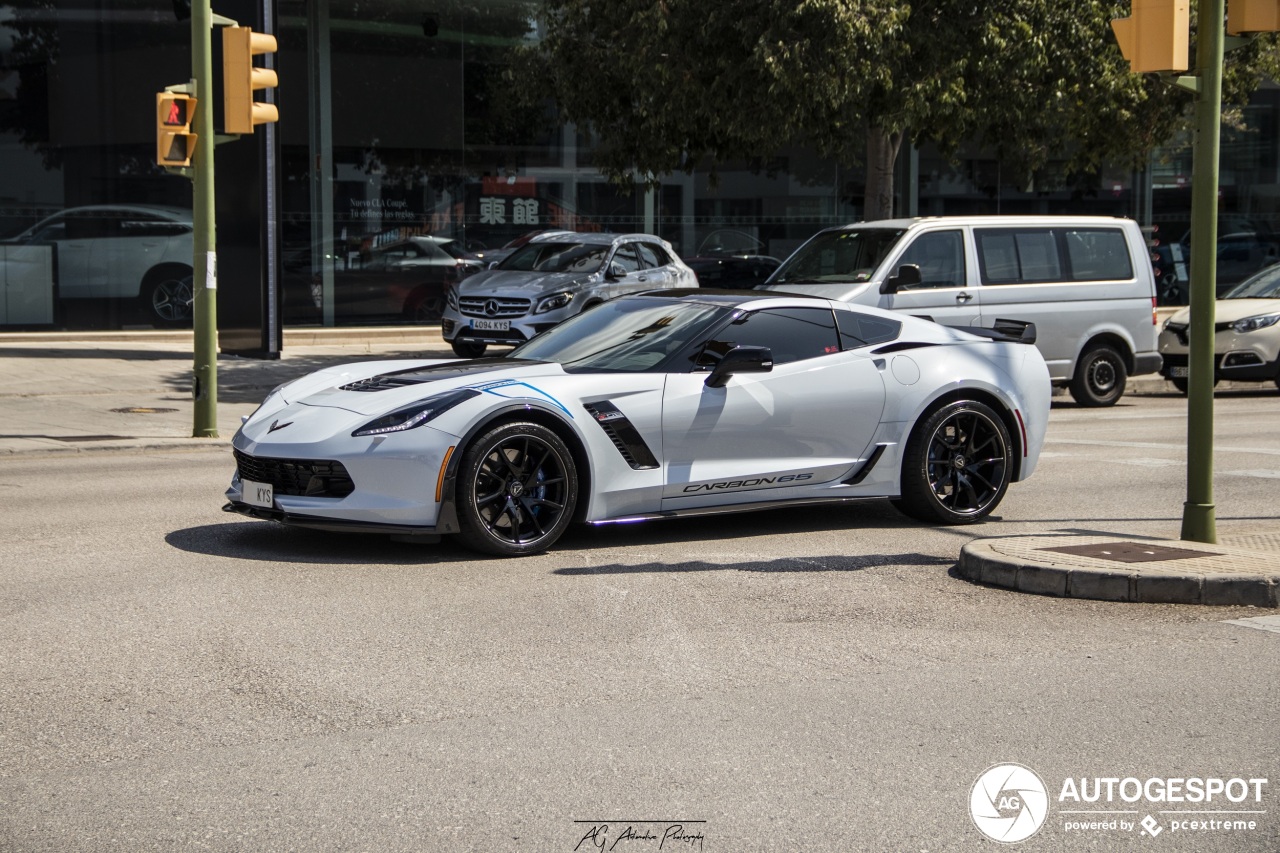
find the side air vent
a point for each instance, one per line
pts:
(623, 434)
(899, 346)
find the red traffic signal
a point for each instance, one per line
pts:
(175, 143)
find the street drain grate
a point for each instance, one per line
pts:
(141, 410)
(1130, 552)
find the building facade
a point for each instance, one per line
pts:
(395, 127)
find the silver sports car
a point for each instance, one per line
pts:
(651, 406)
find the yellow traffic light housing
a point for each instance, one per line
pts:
(1156, 35)
(175, 143)
(1253, 16)
(240, 79)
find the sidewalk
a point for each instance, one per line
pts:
(131, 391)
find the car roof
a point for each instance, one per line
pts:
(729, 298)
(997, 220)
(595, 237)
(168, 211)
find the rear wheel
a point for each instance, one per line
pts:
(1100, 377)
(467, 349)
(517, 488)
(957, 465)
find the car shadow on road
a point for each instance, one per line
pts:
(841, 563)
(269, 542)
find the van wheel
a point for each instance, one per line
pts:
(1182, 384)
(1100, 377)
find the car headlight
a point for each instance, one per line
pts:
(554, 301)
(1253, 324)
(416, 415)
(451, 297)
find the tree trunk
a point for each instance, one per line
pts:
(882, 154)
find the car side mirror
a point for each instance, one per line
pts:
(908, 276)
(740, 360)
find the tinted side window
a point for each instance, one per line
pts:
(940, 256)
(792, 334)
(1008, 256)
(652, 256)
(627, 257)
(860, 330)
(1098, 254)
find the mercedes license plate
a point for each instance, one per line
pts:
(1178, 372)
(491, 325)
(257, 494)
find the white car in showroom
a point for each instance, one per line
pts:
(550, 279)
(651, 406)
(1246, 334)
(122, 251)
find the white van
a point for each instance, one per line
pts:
(1085, 281)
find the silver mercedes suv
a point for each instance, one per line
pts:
(551, 278)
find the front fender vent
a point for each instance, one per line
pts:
(623, 434)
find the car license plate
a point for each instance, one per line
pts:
(491, 325)
(1178, 372)
(257, 494)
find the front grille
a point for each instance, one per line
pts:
(503, 307)
(298, 477)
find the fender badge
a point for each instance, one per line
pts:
(275, 425)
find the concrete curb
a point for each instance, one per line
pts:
(1221, 575)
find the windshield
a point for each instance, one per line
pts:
(1263, 285)
(557, 257)
(626, 335)
(838, 256)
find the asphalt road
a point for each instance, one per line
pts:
(175, 678)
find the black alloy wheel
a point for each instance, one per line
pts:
(517, 488)
(429, 310)
(1100, 377)
(957, 465)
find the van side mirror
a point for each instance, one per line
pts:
(908, 276)
(740, 360)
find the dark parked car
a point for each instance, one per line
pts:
(732, 272)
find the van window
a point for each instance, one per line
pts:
(1031, 255)
(1098, 254)
(940, 256)
(838, 256)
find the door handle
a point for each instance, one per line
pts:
(963, 297)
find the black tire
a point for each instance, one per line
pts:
(517, 488)
(1184, 385)
(429, 310)
(957, 465)
(1100, 377)
(467, 349)
(167, 298)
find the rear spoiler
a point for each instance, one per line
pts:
(1010, 331)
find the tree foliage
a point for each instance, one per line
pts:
(670, 85)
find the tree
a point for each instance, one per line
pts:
(667, 85)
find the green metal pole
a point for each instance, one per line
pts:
(1198, 523)
(204, 262)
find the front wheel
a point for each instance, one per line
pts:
(466, 349)
(1100, 377)
(957, 465)
(517, 488)
(1184, 385)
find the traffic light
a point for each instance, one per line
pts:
(1155, 36)
(240, 79)
(1253, 16)
(175, 143)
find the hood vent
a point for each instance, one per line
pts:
(420, 375)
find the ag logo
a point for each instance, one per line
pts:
(1008, 803)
